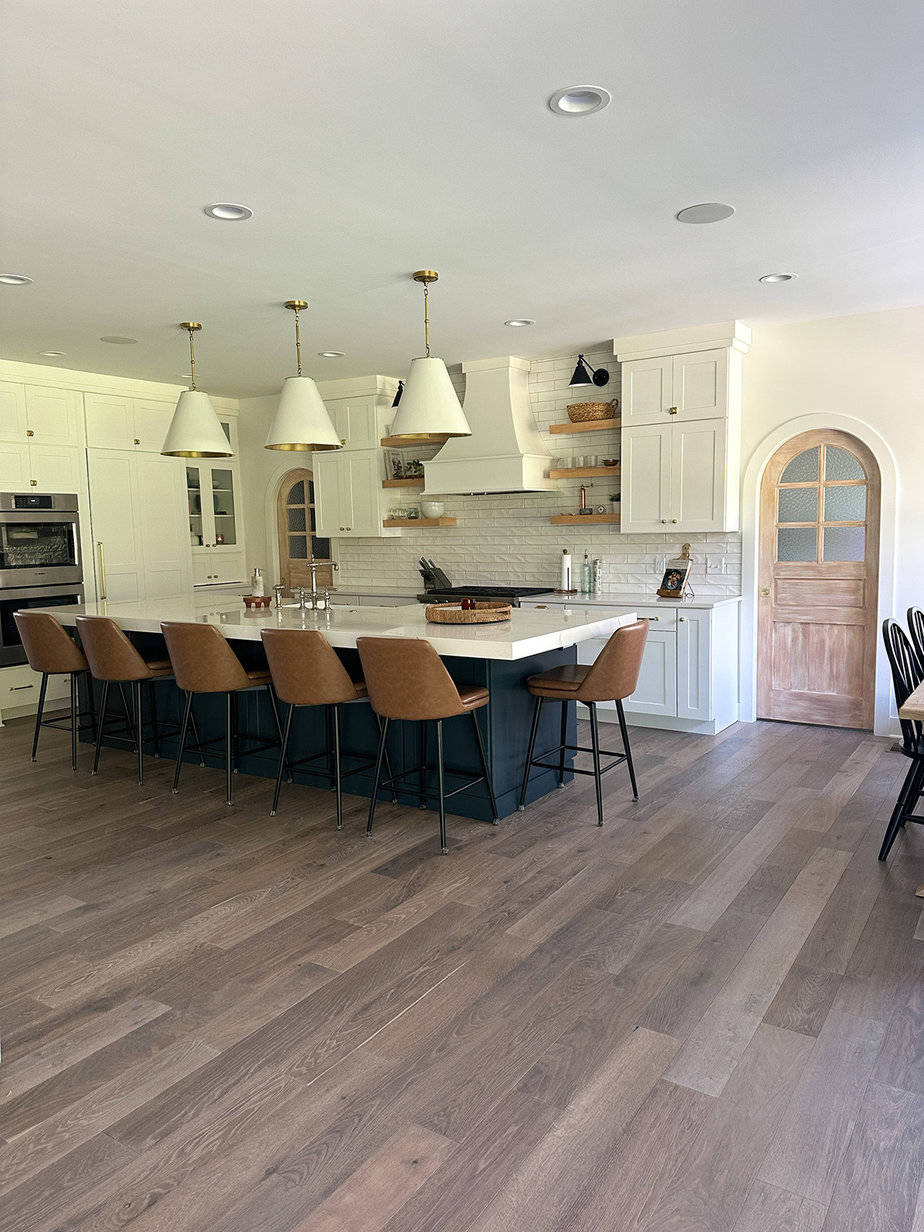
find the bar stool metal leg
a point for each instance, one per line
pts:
(104, 700)
(595, 744)
(155, 726)
(187, 711)
(139, 729)
(282, 760)
(422, 777)
(562, 740)
(439, 770)
(229, 745)
(338, 786)
(378, 774)
(529, 752)
(485, 769)
(74, 713)
(625, 742)
(38, 714)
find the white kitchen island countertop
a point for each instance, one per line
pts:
(528, 632)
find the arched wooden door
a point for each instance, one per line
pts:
(818, 581)
(295, 522)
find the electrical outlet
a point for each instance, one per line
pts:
(661, 563)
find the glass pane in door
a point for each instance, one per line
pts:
(298, 547)
(845, 543)
(297, 518)
(841, 464)
(847, 504)
(194, 504)
(797, 543)
(223, 506)
(803, 468)
(798, 505)
(37, 545)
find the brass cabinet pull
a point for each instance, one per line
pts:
(16, 688)
(102, 568)
(33, 483)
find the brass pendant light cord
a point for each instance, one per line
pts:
(192, 361)
(298, 342)
(427, 317)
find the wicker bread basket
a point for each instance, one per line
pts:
(486, 611)
(582, 412)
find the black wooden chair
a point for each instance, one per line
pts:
(916, 629)
(907, 674)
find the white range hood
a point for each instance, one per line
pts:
(505, 452)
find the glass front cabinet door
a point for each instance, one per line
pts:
(212, 502)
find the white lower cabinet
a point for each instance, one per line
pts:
(20, 687)
(689, 674)
(213, 567)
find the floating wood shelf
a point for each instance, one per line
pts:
(584, 472)
(589, 425)
(404, 483)
(419, 522)
(411, 442)
(578, 519)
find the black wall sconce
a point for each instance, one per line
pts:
(585, 375)
(398, 392)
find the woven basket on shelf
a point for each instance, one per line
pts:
(486, 611)
(581, 412)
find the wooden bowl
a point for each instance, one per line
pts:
(257, 600)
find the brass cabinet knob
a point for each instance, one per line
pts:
(672, 410)
(137, 440)
(29, 432)
(675, 519)
(343, 440)
(664, 521)
(681, 619)
(33, 483)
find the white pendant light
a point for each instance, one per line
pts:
(429, 410)
(301, 421)
(194, 431)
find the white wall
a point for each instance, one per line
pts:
(863, 374)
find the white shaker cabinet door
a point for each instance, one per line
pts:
(700, 384)
(327, 470)
(14, 467)
(12, 412)
(53, 416)
(646, 391)
(56, 468)
(646, 478)
(656, 691)
(109, 421)
(694, 673)
(365, 487)
(697, 475)
(150, 423)
(163, 531)
(117, 548)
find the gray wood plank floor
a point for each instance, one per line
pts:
(706, 1017)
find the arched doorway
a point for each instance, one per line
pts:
(295, 523)
(817, 581)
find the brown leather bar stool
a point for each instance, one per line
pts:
(610, 678)
(52, 651)
(407, 679)
(114, 660)
(307, 671)
(203, 662)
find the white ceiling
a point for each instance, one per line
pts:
(373, 138)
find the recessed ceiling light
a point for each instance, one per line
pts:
(778, 277)
(332, 354)
(579, 100)
(117, 340)
(15, 280)
(709, 211)
(518, 322)
(52, 354)
(226, 211)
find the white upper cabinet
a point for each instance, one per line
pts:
(12, 412)
(681, 428)
(355, 421)
(675, 387)
(348, 494)
(115, 422)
